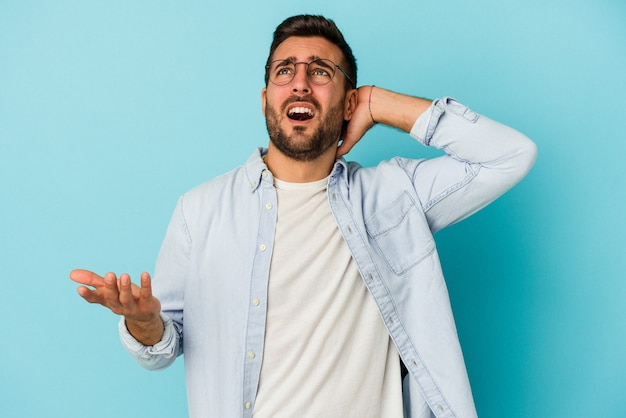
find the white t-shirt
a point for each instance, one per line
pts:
(327, 352)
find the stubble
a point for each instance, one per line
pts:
(302, 145)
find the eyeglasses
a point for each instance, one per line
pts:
(318, 71)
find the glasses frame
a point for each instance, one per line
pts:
(295, 65)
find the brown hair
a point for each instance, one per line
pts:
(309, 26)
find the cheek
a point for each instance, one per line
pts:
(269, 110)
(271, 102)
(275, 94)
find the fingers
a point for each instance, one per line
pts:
(345, 147)
(97, 292)
(87, 294)
(97, 289)
(131, 295)
(110, 293)
(357, 127)
(125, 296)
(86, 277)
(145, 292)
(360, 122)
(119, 295)
(348, 141)
(342, 150)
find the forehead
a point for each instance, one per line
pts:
(307, 48)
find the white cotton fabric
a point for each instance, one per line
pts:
(327, 352)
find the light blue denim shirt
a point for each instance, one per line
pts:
(212, 271)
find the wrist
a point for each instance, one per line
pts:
(369, 104)
(147, 331)
(395, 109)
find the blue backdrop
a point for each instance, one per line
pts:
(109, 110)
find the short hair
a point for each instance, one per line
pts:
(310, 26)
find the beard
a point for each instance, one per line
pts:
(301, 146)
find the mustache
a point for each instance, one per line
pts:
(306, 98)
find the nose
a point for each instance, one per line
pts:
(300, 82)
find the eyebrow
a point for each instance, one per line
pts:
(322, 63)
(288, 60)
(292, 59)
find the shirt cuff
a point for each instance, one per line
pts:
(426, 124)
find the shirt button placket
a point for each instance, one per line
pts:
(257, 297)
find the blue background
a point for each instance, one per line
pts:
(109, 110)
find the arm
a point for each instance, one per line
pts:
(385, 107)
(483, 157)
(152, 337)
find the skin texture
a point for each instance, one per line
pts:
(299, 151)
(302, 145)
(318, 136)
(137, 304)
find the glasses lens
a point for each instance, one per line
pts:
(282, 72)
(320, 71)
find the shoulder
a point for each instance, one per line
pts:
(244, 177)
(212, 194)
(217, 184)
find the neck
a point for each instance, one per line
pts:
(294, 171)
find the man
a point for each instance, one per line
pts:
(298, 284)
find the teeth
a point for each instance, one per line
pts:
(300, 110)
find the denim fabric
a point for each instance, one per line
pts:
(212, 270)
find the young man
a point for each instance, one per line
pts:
(294, 283)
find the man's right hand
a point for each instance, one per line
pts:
(385, 107)
(139, 307)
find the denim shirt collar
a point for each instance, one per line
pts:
(257, 172)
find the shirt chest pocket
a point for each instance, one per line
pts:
(401, 234)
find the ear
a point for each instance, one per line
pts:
(350, 103)
(263, 99)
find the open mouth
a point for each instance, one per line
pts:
(300, 113)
